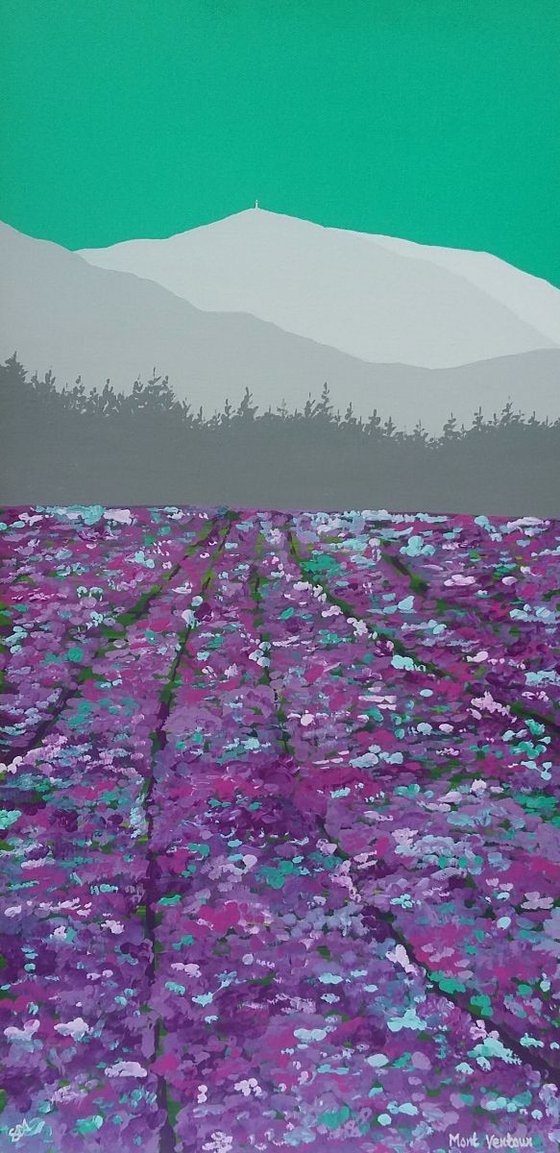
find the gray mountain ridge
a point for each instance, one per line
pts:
(377, 298)
(59, 312)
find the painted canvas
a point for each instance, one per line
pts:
(280, 548)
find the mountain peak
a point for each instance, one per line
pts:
(377, 298)
(256, 213)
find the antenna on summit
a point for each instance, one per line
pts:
(256, 204)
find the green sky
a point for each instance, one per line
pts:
(428, 119)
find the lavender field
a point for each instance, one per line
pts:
(280, 832)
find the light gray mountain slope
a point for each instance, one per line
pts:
(59, 312)
(378, 299)
(533, 300)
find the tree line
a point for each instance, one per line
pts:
(155, 400)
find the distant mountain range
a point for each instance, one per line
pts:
(376, 298)
(280, 306)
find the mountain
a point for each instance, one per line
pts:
(376, 298)
(58, 311)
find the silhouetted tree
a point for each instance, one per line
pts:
(14, 371)
(247, 410)
(373, 426)
(309, 408)
(450, 428)
(324, 406)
